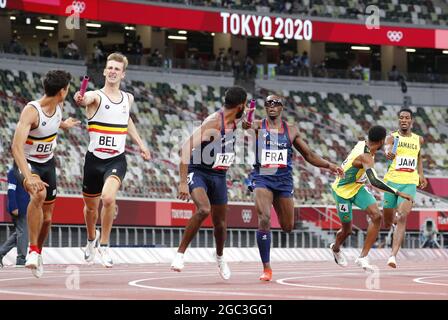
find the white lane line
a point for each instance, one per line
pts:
(284, 282)
(136, 283)
(420, 280)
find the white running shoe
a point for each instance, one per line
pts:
(39, 271)
(90, 249)
(106, 260)
(35, 263)
(178, 262)
(364, 263)
(392, 262)
(338, 257)
(224, 270)
(32, 260)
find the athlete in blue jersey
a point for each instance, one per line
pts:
(205, 158)
(271, 178)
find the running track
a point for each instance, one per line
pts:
(296, 281)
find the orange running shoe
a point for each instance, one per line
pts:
(267, 275)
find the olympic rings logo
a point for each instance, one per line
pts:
(395, 36)
(78, 6)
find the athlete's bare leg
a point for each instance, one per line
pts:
(35, 215)
(263, 202)
(375, 216)
(341, 235)
(219, 218)
(402, 214)
(203, 209)
(108, 199)
(285, 212)
(389, 217)
(91, 215)
(46, 224)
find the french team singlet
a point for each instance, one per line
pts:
(274, 150)
(403, 168)
(108, 127)
(41, 141)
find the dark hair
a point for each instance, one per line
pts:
(377, 133)
(234, 96)
(406, 110)
(54, 81)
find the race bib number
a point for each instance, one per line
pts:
(223, 161)
(343, 207)
(405, 164)
(274, 158)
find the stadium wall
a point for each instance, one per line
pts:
(171, 213)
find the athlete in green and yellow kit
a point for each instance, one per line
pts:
(358, 167)
(405, 173)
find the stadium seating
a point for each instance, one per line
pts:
(165, 114)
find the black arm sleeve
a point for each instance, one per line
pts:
(378, 183)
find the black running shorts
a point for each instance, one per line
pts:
(97, 170)
(47, 173)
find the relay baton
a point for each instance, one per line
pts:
(394, 150)
(84, 84)
(250, 114)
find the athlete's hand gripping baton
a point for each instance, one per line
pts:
(84, 84)
(250, 114)
(394, 150)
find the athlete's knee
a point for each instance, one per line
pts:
(219, 225)
(47, 221)
(39, 197)
(401, 217)
(108, 201)
(376, 216)
(288, 227)
(90, 210)
(203, 212)
(264, 222)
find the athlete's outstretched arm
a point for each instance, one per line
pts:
(256, 124)
(422, 180)
(132, 131)
(69, 123)
(368, 164)
(28, 117)
(388, 145)
(204, 132)
(89, 98)
(311, 156)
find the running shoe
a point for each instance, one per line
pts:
(267, 275)
(178, 262)
(224, 270)
(392, 262)
(106, 260)
(364, 263)
(338, 257)
(90, 249)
